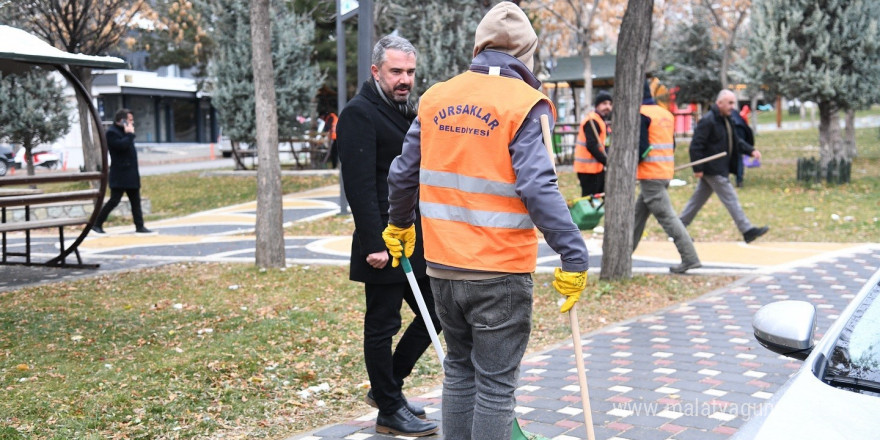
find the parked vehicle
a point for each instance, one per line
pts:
(46, 159)
(7, 159)
(836, 393)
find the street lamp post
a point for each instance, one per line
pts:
(364, 12)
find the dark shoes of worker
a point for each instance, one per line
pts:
(143, 230)
(403, 422)
(753, 234)
(684, 267)
(417, 411)
(98, 230)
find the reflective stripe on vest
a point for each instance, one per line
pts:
(660, 161)
(584, 162)
(472, 217)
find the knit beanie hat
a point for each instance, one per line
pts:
(506, 28)
(601, 97)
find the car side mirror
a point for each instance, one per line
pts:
(786, 327)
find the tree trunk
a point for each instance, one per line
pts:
(269, 230)
(725, 63)
(849, 135)
(629, 79)
(29, 158)
(588, 77)
(830, 144)
(91, 152)
(754, 115)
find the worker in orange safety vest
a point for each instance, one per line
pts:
(589, 151)
(330, 120)
(475, 162)
(655, 170)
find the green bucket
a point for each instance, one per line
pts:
(586, 212)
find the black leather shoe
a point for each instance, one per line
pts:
(143, 230)
(403, 422)
(98, 230)
(416, 410)
(684, 267)
(753, 234)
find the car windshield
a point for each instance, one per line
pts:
(855, 360)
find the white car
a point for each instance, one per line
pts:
(836, 393)
(42, 158)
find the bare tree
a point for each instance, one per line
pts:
(269, 230)
(629, 77)
(576, 17)
(727, 15)
(90, 27)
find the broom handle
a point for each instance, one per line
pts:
(572, 315)
(548, 141)
(703, 160)
(582, 374)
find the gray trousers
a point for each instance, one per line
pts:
(486, 324)
(653, 199)
(726, 193)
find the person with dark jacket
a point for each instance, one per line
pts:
(745, 133)
(369, 135)
(715, 133)
(124, 176)
(589, 152)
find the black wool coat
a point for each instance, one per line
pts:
(710, 137)
(123, 159)
(369, 135)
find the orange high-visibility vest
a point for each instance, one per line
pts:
(472, 217)
(660, 161)
(584, 162)
(333, 119)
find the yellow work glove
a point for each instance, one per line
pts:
(393, 235)
(570, 284)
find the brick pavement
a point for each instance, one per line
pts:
(693, 371)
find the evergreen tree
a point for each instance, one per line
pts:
(443, 33)
(297, 78)
(824, 51)
(690, 61)
(33, 110)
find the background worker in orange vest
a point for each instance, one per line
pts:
(475, 162)
(655, 170)
(330, 127)
(589, 151)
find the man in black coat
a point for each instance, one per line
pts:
(124, 176)
(370, 134)
(715, 133)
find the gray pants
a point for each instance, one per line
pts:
(726, 193)
(486, 324)
(653, 199)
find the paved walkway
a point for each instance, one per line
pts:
(689, 372)
(692, 371)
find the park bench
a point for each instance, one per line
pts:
(564, 138)
(25, 207)
(24, 196)
(311, 150)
